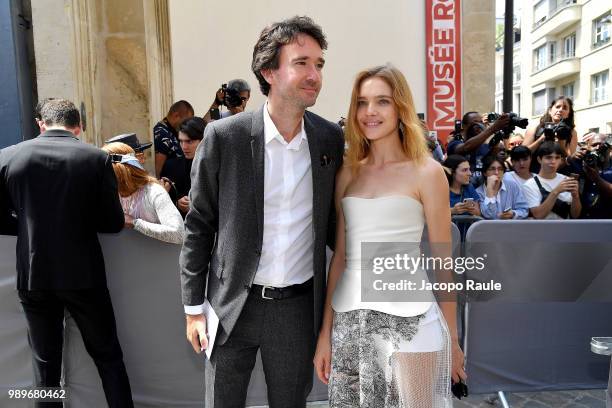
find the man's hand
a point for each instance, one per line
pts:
(501, 123)
(577, 155)
(129, 221)
(196, 332)
(568, 184)
(506, 215)
(219, 97)
(183, 204)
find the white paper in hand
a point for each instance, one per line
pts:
(212, 324)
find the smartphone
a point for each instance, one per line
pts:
(468, 200)
(574, 176)
(215, 114)
(508, 209)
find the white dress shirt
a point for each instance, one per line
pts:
(288, 235)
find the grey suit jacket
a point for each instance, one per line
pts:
(224, 226)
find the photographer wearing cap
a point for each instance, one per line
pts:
(470, 141)
(234, 95)
(596, 195)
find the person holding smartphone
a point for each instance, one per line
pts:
(464, 199)
(500, 198)
(551, 195)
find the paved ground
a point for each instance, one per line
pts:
(556, 399)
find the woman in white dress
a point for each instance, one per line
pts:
(386, 354)
(146, 204)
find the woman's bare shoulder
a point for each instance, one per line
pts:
(429, 168)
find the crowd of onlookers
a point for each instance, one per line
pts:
(493, 172)
(549, 173)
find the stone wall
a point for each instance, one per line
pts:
(101, 54)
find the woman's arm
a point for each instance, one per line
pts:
(573, 144)
(170, 228)
(432, 186)
(322, 358)
(530, 141)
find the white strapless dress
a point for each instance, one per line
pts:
(386, 354)
(384, 219)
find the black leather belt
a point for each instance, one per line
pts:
(270, 292)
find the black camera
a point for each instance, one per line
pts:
(515, 121)
(232, 97)
(559, 130)
(456, 132)
(597, 158)
(457, 126)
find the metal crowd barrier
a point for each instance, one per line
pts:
(520, 347)
(530, 345)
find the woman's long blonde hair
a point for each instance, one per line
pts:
(129, 178)
(412, 131)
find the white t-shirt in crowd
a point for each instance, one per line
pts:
(534, 197)
(511, 175)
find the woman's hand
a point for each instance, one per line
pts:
(166, 183)
(129, 221)
(457, 362)
(473, 208)
(322, 358)
(458, 208)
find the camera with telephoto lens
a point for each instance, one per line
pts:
(559, 130)
(503, 134)
(597, 158)
(232, 97)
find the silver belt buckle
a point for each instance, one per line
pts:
(263, 292)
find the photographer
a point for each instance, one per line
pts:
(470, 141)
(551, 195)
(596, 195)
(559, 118)
(234, 96)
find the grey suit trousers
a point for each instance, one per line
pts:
(283, 331)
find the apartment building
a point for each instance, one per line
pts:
(565, 49)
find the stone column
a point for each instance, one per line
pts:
(84, 59)
(478, 55)
(159, 58)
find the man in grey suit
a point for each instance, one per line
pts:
(261, 215)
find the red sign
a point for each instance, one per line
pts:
(443, 36)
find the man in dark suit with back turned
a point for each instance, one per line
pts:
(261, 215)
(63, 192)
